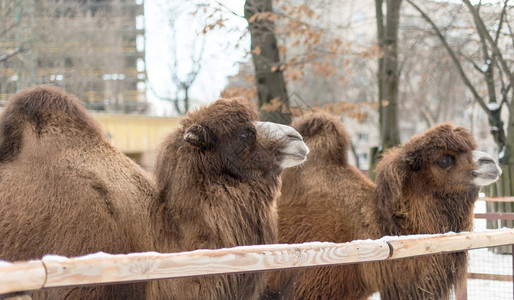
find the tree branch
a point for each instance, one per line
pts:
(11, 54)
(228, 9)
(481, 28)
(454, 58)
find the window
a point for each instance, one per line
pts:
(140, 22)
(140, 65)
(140, 43)
(362, 137)
(363, 158)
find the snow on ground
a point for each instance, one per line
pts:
(486, 262)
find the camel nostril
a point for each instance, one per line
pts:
(303, 152)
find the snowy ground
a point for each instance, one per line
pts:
(486, 262)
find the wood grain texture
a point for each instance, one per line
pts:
(449, 242)
(101, 268)
(151, 265)
(21, 276)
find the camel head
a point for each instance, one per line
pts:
(229, 137)
(447, 159)
(438, 173)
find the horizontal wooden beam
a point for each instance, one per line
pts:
(495, 216)
(496, 199)
(21, 276)
(101, 268)
(483, 276)
(449, 242)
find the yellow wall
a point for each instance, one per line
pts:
(136, 133)
(139, 137)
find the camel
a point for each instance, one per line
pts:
(229, 167)
(427, 186)
(65, 190)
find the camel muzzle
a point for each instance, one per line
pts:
(294, 150)
(487, 171)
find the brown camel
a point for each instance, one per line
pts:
(427, 186)
(65, 190)
(229, 167)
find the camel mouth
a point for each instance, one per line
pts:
(294, 153)
(487, 171)
(293, 159)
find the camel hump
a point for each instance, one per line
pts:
(34, 103)
(324, 134)
(40, 107)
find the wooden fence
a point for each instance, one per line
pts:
(101, 268)
(492, 218)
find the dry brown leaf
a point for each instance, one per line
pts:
(257, 50)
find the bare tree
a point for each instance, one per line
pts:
(431, 87)
(271, 86)
(183, 70)
(491, 64)
(388, 71)
(11, 15)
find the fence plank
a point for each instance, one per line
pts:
(21, 276)
(104, 268)
(450, 242)
(145, 266)
(497, 199)
(495, 216)
(484, 276)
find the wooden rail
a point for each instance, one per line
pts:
(101, 268)
(497, 199)
(484, 276)
(495, 216)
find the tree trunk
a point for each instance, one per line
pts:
(388, 73)
(271, 87)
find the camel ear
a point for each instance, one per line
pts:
(390, 175)
(198, 136)
(413, 160)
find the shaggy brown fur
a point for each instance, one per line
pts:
(226, 196)
(422, 187)
(65, 190)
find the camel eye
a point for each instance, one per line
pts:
(445, 161)
(248, 133)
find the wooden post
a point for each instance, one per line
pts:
(461, 290)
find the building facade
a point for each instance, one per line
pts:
(94, 49)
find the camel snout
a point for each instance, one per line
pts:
(294, 149)
(487, 171)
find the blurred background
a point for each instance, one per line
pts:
(383, 67)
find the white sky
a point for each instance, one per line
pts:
(220, 57)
